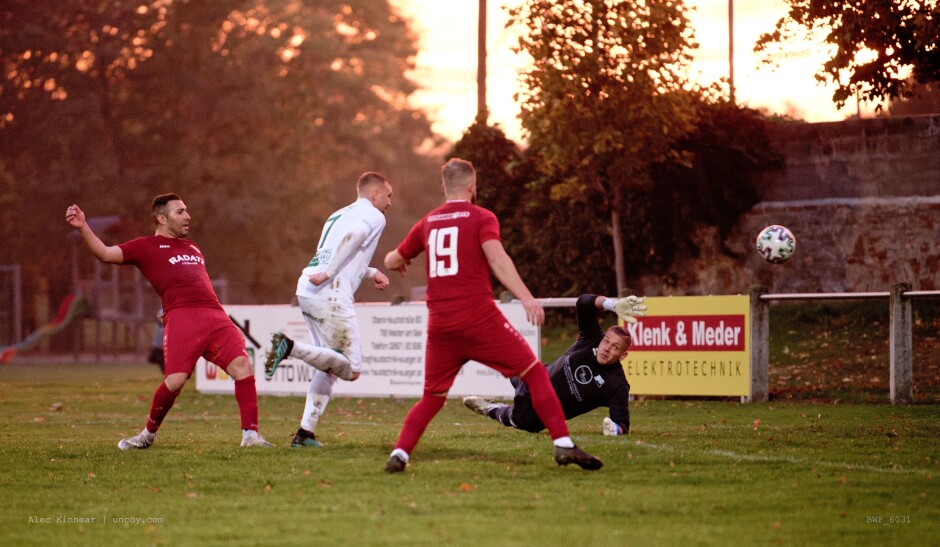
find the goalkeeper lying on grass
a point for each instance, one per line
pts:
(587, 376)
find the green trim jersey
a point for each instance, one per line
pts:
(341, 228)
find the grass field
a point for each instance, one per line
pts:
(691, 473)
(838, 351)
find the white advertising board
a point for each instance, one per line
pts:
(392, 338)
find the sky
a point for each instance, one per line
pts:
(447, 63)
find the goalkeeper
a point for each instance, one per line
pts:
(587, 376)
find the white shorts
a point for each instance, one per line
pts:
(333, 325)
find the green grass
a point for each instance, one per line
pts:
(691, 472)
(838, 351)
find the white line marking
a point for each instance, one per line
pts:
(777, 459)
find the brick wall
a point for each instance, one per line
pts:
(863, 200)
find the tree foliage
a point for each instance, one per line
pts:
(563, 247)
(605, 99)
(260, 114)
(496, 159)
(730, 149)
(925, 99)
(875, 45)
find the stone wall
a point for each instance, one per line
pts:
(862, 198)
(876, 157)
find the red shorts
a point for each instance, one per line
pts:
(487, 337)
(191, 333)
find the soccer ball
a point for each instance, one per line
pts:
(776, 244)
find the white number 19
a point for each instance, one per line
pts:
(442, 243)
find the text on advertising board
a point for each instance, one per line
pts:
(688, 333)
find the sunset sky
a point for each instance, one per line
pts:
(446, 62)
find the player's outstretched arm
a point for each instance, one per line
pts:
(75, 217)
(394, 261)
(505, 270)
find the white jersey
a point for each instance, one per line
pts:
(348, 276)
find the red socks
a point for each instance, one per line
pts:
(163, 401)
(245, 394)
(247, 397)
(417, 421)
(545, 401)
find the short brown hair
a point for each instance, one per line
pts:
(368, 179)
(622, 332)
(158, 206)
(457, 174)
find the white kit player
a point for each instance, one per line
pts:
(325, 294)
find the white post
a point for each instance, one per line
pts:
(901, 347)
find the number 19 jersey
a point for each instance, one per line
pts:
(453, 235)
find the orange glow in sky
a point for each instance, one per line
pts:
(447, 61)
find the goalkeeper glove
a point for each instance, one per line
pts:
(628, 308)
(611, 428)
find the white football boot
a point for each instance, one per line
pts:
(139, 441)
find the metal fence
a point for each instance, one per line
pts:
(901, 354)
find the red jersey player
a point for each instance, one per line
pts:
(195, 325)
(463, 244)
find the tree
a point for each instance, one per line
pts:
(875, 45)
(605, 99)
(494, 157)
(729, 148)
(562, 248)
(925, 100)
(261, 115)
(532, 226)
